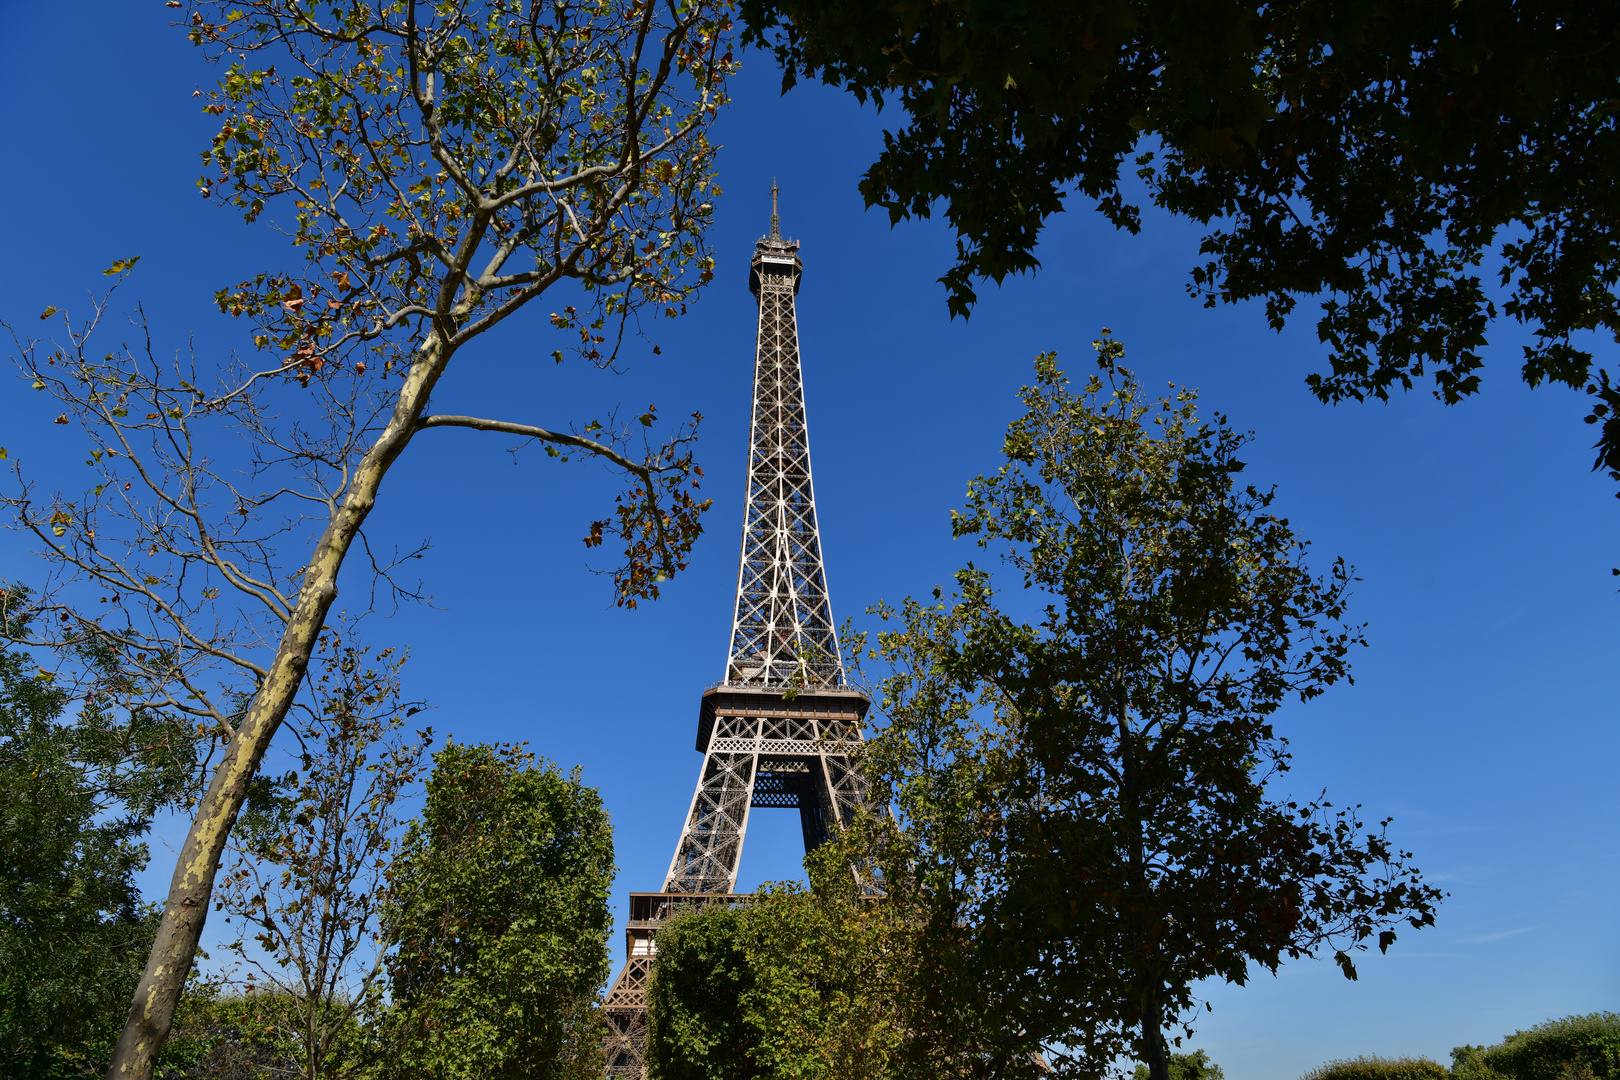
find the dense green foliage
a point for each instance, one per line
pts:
(790, 984)
(499, 921)
(77, 793)
(695, 1024)
(1089, 799)
(73, 933)
(1387, 156)
(1380, 1068)
(496, 907)
(1193, 1066)
(231, 1036)
(1573, 1048)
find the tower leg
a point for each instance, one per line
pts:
(626, 1010)
(710, 848)
(759, 746)
(815, 808)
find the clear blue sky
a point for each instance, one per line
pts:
(1483, 716)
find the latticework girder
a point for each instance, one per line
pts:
(762, 748)
(783, 628)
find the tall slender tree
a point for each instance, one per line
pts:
(499, 923)
(307, 892)
(1089, 781)
(438, 168)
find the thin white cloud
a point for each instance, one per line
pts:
(1483, 938)
(1424, 955)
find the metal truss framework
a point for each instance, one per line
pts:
(783, 629)
(762, 749)
(780, 730)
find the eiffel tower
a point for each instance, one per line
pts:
(779, 729)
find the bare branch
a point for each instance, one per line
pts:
(529, 431)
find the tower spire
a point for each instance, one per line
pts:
(776, 220)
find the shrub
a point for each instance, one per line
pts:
(1574, 1048)
(221, 1035)
(1380, 1068)
(1468, 1063)
(794, 983)
(1193, 1066)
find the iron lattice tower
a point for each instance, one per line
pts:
(780, 728)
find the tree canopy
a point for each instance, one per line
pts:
(696, 1028)
(1193, 1066)
(787, 983)
(1086, 776)
(1389, 158)
(498, 922)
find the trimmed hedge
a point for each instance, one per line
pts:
(1574, 1048)
(1380, 1068)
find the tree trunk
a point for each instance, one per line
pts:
(186, 908)
(1155, 1052)
(1154, 1047)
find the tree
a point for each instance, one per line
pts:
(1087, 788)
(79, 783)
(1386, 157)
(499, 922)
(1570, 1047)
(790, 983)
(440, 168)
(1193, 1066)
(695, 1024)
(308, 888)
(224, 1035)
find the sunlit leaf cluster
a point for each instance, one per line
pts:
(439, 165)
